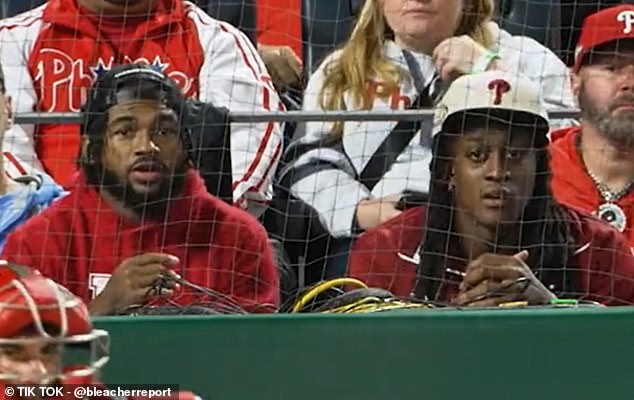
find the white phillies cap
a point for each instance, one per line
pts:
(498, 95)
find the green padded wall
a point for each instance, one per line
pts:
(506, 354)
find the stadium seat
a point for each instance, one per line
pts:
(209, 130)
(239, 13)
(325, 25)
(573, 12)
(538, 19)
(9, 8)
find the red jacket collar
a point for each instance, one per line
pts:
(65, 13)
(564, 154)
(571, 183)
(565, 132)
(184, 208)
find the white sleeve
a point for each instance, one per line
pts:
(333, 193)
(541, 65)
(234, 76)
(19, 139)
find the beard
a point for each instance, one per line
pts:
(619, 128)
(147, 205)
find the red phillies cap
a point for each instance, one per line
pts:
(602, 27)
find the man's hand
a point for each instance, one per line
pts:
(133, 282)
(373, 212)
(493, 279)
(283, 64)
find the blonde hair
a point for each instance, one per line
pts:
(361, 58)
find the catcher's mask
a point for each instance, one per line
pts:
(37, 313)
(126, 83)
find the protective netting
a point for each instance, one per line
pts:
(47, 74)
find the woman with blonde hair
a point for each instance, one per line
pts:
(399, 54)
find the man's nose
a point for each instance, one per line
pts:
(496, 167)
(144, 144)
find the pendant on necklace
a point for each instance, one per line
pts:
(613, 215)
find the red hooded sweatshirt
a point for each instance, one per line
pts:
(80, 240)
(571, 184)
(383, 257)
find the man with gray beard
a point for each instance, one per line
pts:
(593, 164)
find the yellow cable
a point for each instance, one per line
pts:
(347, 307)
(368, 304)
(322, 287)
(374, 304)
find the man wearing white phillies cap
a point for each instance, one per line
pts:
(493, 233)
(593, 164)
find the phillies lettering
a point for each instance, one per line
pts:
(396, 99)
(500, 86)
(62, 81)
(627, 17)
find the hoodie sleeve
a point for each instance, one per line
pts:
(604, 261)
(250, 272)
(18, 251)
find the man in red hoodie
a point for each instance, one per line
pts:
(593, 164)
(54, 52)
(139, 218)
(40, 322)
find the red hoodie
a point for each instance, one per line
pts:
(379, 258)
(571, 184)
(81, 239)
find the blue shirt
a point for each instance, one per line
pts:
(36, 193)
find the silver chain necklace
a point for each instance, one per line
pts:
(609, 211)
(607, 194)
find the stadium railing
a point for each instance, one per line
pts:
(284, 116)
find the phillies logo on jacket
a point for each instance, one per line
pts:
(62, 80)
